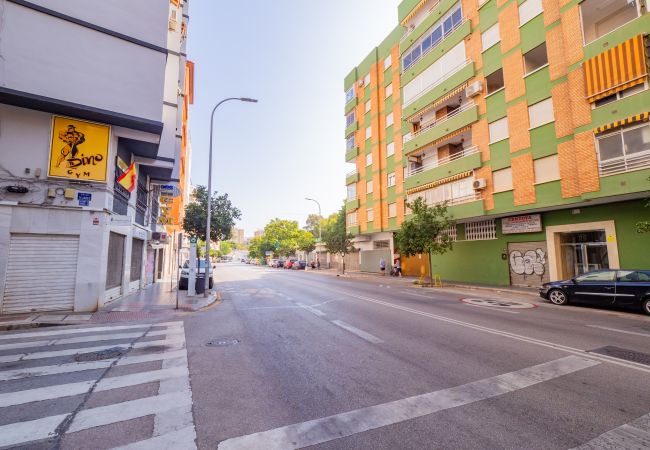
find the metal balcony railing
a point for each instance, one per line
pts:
(433, 45)
(424, 90)
(442, 161)
(426, 126)
(350, 174)
(627, 163)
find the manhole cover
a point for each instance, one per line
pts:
(496, 303)
(98, 356)
(624, 353)
(223, 343)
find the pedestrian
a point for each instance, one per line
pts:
(317, 263)
(398, 267)
(382, 266)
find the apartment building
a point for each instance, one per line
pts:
(88, 94)
(529, 119)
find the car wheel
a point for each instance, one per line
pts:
(646, 306)
(558, 297)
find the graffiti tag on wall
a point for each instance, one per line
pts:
(528, 263)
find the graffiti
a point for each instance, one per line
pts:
(528, 263)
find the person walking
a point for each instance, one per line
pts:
(317, 263)
(398, 267)
(382, 266)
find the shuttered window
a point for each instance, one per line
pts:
(616, 69)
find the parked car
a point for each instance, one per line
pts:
(273, 263)
(288, 264)
(280, 263)
(602, 287)
(185, 273)
(299, 265)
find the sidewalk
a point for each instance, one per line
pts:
(410, 282)
(156, 301)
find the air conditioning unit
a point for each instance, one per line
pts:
(474, 89)
(479, 183)
(159, 236)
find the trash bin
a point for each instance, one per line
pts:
(200, 283)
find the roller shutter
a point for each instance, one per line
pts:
(41, 273)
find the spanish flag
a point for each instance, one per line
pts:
(127, 179)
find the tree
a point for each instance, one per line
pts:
(313, 224)
(424, 232)
(222, 220)
(306, 241)
(255, 248)
(336, 237)
(225, 248)
(282, 237)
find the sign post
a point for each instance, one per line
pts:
(179, 244)
(191, 279)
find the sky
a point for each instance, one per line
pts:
(292, 55)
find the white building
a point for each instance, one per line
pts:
(85, 90)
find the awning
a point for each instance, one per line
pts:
(414, 11)
(424, 187)
(643, 117)
(440, 100)
(443, 138)
(616, 69)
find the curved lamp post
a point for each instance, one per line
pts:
(207, 232)
(320, 217)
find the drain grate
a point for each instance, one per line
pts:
(223, 343)
(624, 353)
(98, 356)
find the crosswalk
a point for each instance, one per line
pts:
(67, 370)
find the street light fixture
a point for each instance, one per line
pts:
(207, 232)
(320, 218)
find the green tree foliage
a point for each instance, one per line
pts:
(424, 231)
(282, 237)
(224, 214)
(225, 248)
(255, 248)
(336, 237)
(306, 241)
(312, 224)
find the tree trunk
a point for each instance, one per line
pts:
(430, 268)
(343, 263)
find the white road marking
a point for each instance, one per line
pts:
(418, 295)
(179, 439)
(620, 331)
(312, 310)
(362, 334)
(337, 426)
(76, 340)
(631, 436)
(31, 430)
(57, 332)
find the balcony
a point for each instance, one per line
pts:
(438, 128)
(351, 177)
(351, 128)
(351, 154)
(467, 159)
(351, 205)
(626, 163)
(442, 161)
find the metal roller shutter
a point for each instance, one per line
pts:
(41, 273)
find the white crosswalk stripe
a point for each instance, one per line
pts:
(631, 436)
(162, 343)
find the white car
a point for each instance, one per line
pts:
(185, 273)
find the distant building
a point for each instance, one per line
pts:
(238, 236)
(258, 233)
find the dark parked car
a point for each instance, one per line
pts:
(185, 273)
(299, 265)
(602, 287)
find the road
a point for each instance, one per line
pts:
(295, 359)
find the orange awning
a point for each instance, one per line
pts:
(414, 11)
(438, 101)
(643, 117)
(443, 138)
(616, 69)
(424, 187)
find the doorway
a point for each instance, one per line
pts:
(583, 252)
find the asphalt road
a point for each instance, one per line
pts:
(331, 363)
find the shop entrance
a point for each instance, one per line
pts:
(583, 252)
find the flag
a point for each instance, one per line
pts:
(127, 179)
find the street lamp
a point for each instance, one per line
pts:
(207, 228)
(320, 218)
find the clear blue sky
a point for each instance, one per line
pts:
(292, 55)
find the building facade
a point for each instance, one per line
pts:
(529, 119)
(86, 95)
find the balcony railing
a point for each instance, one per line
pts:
(410, 30)
(440, 41)
(433, 122)
(350, 174)
(627, 163)
(435, 83)
(442, 161)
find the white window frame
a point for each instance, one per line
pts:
(349, 95)
(369, 159)
(353, 216)
(628, 162)
(582, 24)
(354, 118)
(389, 90)
(391, 179)
(370, 215)
(530, 9)
(388, 62)
(507, 131)
(390, 149)
(499, 184)
(368, 106)
(369, 187)
(542, 172)
(541, 109)
(368, 132)
(366, 80)
(390, 120)
(353, 197)
(481, 230)
(492, 35)
(392, 210)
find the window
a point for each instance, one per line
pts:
(368, 132)
(624, 150)
(388, 62)
(351, 219)
(392, 210)
(352, 191)
(381, 244)
(366, 80)
(480, 231)
(620, 94)
(528, 10)
(535, 58)
(450, 232)
(502, 180)
(350, 119)
(369, 187)
(599, 17)
(490, 36)
(370, 215)
(392, 180)
(368, 105)
(390, 149)
(546, 169)
(349, 94)
(494, 81)
(498, 130)
(389, 90)
(349, 142)
(460, 191)
(369, 159)
(389, 121)
(433, 36)
(603, 275)
(541, 113)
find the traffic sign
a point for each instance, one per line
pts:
(193, 240)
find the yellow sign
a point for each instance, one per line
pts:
(79, 150)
